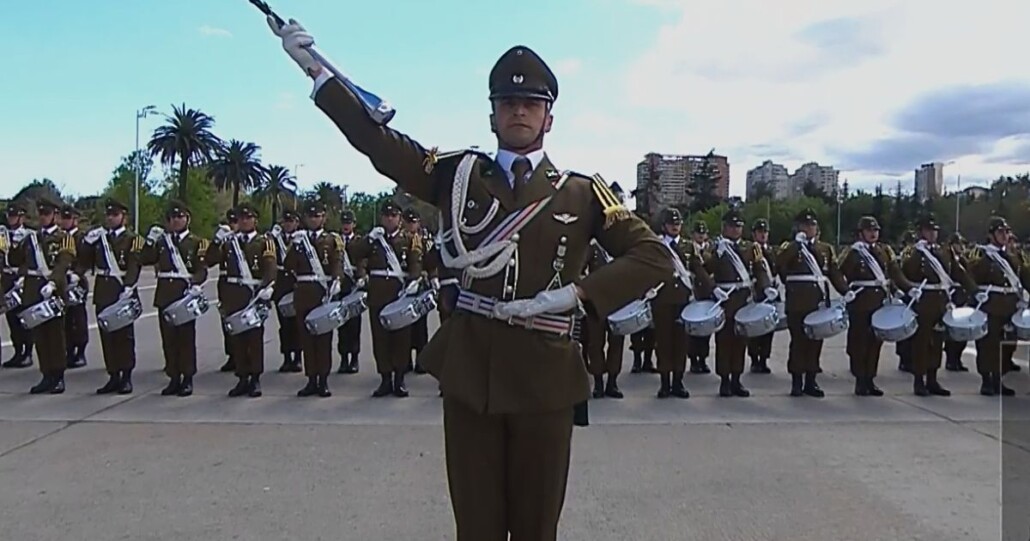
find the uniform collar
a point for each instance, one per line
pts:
(669, 238)
(73, 231)
(180, 236)
(505, 158)
(318, 232)
(48, 230)
(116, 232)
(247, 237)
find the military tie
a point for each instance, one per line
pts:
(520, 169)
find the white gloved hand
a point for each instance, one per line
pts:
(915, 293)
(720, 294)
(126, 293)
(554, 301)
(277, 230)
(334, 288)
(94, 235)
(801, 237)
(48, 290)
(264, 294)
(73, 279)
(19, 283)
(771, 294)
(296, 41)
(196, 291)
(298, 237)
(434, 283)
(982, 297)
(849, 296)
(361, 283)
(155, 233)
(223, 233)
(411, 288)
(376, 233)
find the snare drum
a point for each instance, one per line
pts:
(826, 323)
(756, 319)
(11, 300)
(249, 318)
(630, 319)
(406, 310)
(965, 324)
(1021, 322)
(119, 315)
(41, 312)
(186, 309)
(703, 318)
(286, 307)
(332, 315)
(894, 322)
(76, 295)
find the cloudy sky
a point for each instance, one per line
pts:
(873, 87)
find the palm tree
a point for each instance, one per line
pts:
(330, 195)
(185, 137)
(279, 182)
(237, 166)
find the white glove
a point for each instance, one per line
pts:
(849, 296)
(264, 294)
(277, 230)
(334, 288)
(554, 301)
(771, 294)
(196, 291)
(296, 41)
(73, 279)
(411, 288)
(155, 233)
(94, 235)
(19, 283)
(223, 233)
(434, 283)
(915, 293)
(48, 290)
(720, 294)
(361, 283)
(126, 293)
(982, 297)
(801, 237)
(298, 237)
(376, 233)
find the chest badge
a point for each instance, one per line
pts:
(565, 218)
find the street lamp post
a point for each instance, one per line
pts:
(140, 114)
(838, 197)
(958, 197)
(296, 179)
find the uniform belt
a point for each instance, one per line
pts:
(280, 267)
(936, 287)
(483, 306)
(868, 283)
(10, 270)
(314, 278)
(385, 274)
(109, 273)
(448, 282)
(243, 281)
(173, 276)
(732, 285)
(999, 289)
(35, 272)
(804, 278)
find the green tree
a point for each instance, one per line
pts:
(206, 208)
(186, 138)
(236, 167)
(702, 185)
(122, 188)
(278, 189)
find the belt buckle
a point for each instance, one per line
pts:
(527, 322)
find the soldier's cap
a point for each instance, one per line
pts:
(389, 208)
(806, 217)
(44, 204)
(232, 215)
(868, 223)
(521, 73)
(314, 208)
(672, 217)
(700, 227)
(732, 217)
(246, 210)
(928, 221)
(288, 214)
(68, 211)
(995, 223)
(177, 209)
(760, 225)
(411, 215)
(16, 209)
(347, 217)
(112, 206)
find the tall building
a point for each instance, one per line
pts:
(773, 175)
(929, 181)
(663, 179)
(823, 176)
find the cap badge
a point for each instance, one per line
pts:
(517, 78)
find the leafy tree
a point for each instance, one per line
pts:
(206, 208)
(122, 188)
(702, 185)
(236, 166)
(277, 189)
(761, 190)
(186, 138)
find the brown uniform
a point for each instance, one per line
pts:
(863, 345)
(759, 348)
(730, 348)
(179, 343)
(76, 322)
(420, 329)
(285, 281)
(671, 339)
(11, 258)
(350, 332)
(58, 250)
(803, 297)
(111, 278)
(509, 386)
(604, 347)
(994, 351)
(698, 347)
(960, 297)
(310, 293)
(447, 297)
(391, 349)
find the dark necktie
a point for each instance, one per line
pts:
(521, 168)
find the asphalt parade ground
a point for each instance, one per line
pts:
(144, 467)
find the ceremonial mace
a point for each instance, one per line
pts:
(378, 109)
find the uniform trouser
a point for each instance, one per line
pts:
(227, 343)
(350, 336)
(180, 348)
(927, 344)
(248, 349)
(76, 326)
(318, 349)
(642, 341)
(289, 333)
(670, 337)
(803, 353)
(953, 351)
(994, 350)
(420, 333)
(700, 346)
(729, 348)
(20, 336)
(119, 349)
(506, 473)
(50, 347)
(863, 344)
(599, 335)
(391, 349)
(760, 347)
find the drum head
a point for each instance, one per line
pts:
(892, 316)
(628, 311)
(1022, 318)
(965, 316)
(699, 311)
(755, 312)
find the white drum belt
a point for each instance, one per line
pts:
(314, 278)
(804, 278)
(448, 281)
(243, 281)
(109, 273)
(35, 272)
(733, 285)
(999, 289)
(173, 276)
(936, 287)
(386, 274)
(483, 306)
(867, 283)
(10, 270)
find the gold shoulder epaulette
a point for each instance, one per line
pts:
(68, 244)
(137, 244)
(338, 242)
(269, 248)
(891, 256)
(614, 210)
(785, 245)
(433, 157)
(975, 254)
(203, 244)
(416, 242)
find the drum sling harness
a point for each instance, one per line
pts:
(181, 272)
(943, 279)
(1006, 268)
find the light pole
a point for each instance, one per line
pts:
(296, 180)
(838, 197)
(140, 114)
(958, 197)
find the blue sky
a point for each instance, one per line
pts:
(870, 87)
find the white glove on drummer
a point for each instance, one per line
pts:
(361, 283)
(298, 237)
(73, 279)
(264, 294)
(94, 235)
(334, 288)
(554, 301)
(434, 283)
(223, 233)
(277, 230)
(411, 288)
(126, 293)
(155, 233)
(376, 233)
(196, 291)
(849, 296)
(19, 283)
(771, 294)
(296, 41)
(48, 290)
(915, 293)
(801, 237)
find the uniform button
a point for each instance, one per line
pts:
(515, 237)
(508, 290)
(511, 262)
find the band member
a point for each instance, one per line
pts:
(316, 259)
(178, 257)
(349, 345)
(904, 347)
(509, 372)
(642, 345)
(76, 323)
(805, 264)
(249, 261)
(112, 253)
(11, 257)
(670, 335)
(49, 254)
(392, 259)
(1001, 276)
(442, 278)
(927, 260)
(953, 350)
(420, 329)
(604, 348)
(759, 348)
(232, 221)
(699, 346)
(871, 269)
(1015, 249)
(285, 281)
(737, 269)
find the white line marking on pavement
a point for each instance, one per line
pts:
(92, 326)
(970, 350)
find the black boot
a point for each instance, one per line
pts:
(255, 386)
(385, 386)
(760, 366)
(612, 389)
(1013, 367)
(1000, 388)
(69, 357)
(796, 386)
(598, 387)
(919, 386)
(186, 389)
(323, 387)
(400, 390)
(22, 357)
(861, 386)
(664, 389)
(737, 388)
(229, 366)
(287, 360)
(648, 364)
(242, 387)
(873, 389)
(418, 366)
(172, 388)
(114, 381)
(344, 363)
(43, 386)
(310, 389)
(933, 386)
(678, 390)
(125, 382)
(58, 386)
(76, 357)
(724, 387)
(352, 366)
(637, 363)
(811, 387)
(986, 385)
